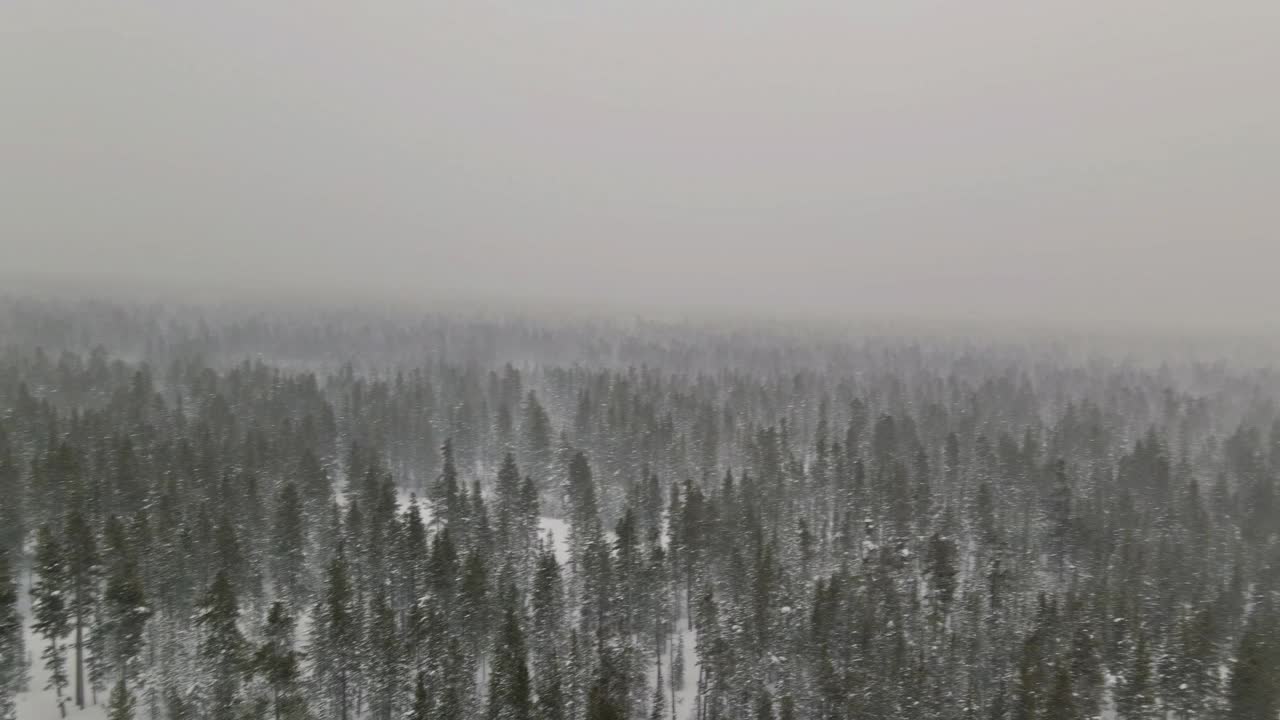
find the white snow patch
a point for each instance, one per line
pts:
(559, 531)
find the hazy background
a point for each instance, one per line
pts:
(1058, 162)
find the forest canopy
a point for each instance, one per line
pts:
(225, 513)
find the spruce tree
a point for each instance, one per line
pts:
(1031, 685)
(289, 544)
(1135, 699)
(445, 496)
(1086, 670)
(1200, 655)
(787, 710)
(456, 681)
(1060, 703)
(606, 699)
(536, 432)
(509, 685)
(177, 706)
(278, 662)
(13, 511)
(474, 603)
(13, 660)
(83, 573)
(764, 706)
(385, 655)
(1253, 691)
(411, 556)
(547, 607)
(50, 612)
(125, 614)
(335, 641)
(677, 664)
(508, 505)
(942, 571)
(1060, 514)
(221, 650)
(658, 704)
(121, 705)
(421, 709)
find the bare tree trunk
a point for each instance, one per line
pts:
(79, 660)
(79, 644)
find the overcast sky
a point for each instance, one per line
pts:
(1083, 161)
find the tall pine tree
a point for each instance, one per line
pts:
(50, 612)
(222, 649)
(509, 684)
(13, 660)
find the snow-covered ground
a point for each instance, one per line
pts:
(686, 696)
(559, 531)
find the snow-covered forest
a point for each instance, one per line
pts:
(222, 513)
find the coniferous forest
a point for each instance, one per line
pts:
(224, 514)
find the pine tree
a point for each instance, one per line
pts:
(550, 704)
(421, 709)
(536, 431)
(121, 705)
(277, 661)
(456, 681)
(177, 706)
(50, 612)
(658, 705)
(509, 684)
(445, 494)
(527, 525)
(13, 511)
(988, 530)
(1253, 691)
(335, 641)
(13, 661)
(764, 706)
(289, 541)
(588, 548)
(443, 567)
(1200, 659)
(787, 710)
(1135, 699)
(473, 611)
(481, 532)
(677, 664)
(125, 614)
(1188, 670)
(1060, 514)
(385, 659)
(1031, 685)
(83, 573)
(230, 557)
(547, 607)
(606, 699)
(942, 570)
(1060, 703)
(222, 648)
(411, 558)
(508, 505)
(1086, 670)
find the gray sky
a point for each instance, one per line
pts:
(1058, 161)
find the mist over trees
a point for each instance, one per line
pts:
(222, 513)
